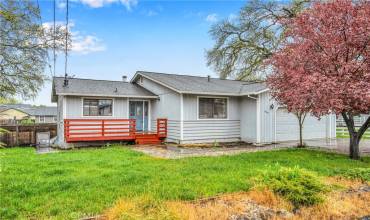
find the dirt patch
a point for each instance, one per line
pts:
(349, 199)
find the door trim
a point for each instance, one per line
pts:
(149, 111)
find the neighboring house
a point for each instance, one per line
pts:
(16, 112)
(198, 109)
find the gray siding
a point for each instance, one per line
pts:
(195, 130)
(173, 130)
(74, 108)
(168, 106)
(60, 123)
(248, 120)
(276, 126)
(288, 129)
(267, 117)
(211, 130)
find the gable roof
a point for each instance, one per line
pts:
(30, 109)
(200, 85)
(92, 87)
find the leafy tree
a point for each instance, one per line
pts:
(244, 43)
(23, 48)
(325, 64)
(8, 101)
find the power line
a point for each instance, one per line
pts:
(66, 47)
(54, 33)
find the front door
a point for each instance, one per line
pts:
(139, 112)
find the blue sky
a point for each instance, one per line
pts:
(118, 37)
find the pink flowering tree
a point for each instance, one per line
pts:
(324, 66)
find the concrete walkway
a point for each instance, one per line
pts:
(340, 145)
(174, 152)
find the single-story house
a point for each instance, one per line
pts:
(197, 109)
(16, 112)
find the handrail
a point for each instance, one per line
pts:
(162, 127)
(99, 129)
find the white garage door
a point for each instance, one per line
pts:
(287, 128)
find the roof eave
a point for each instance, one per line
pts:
(154, 80)
(105, 95)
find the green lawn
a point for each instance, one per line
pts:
(78, 183)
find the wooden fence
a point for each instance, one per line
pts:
(25, 135)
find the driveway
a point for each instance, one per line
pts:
(172, 151)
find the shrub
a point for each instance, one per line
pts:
(362, 174)
(299, 186)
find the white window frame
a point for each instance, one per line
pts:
(96, 116)
(214, 97)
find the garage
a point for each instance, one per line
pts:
(287, 128)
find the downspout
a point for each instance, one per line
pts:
(258, 121)
(181, 117)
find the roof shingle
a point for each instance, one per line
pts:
(90, 87)
(197, 84)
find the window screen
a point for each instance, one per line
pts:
(212, 108)
(97, 107)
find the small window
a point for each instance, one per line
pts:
(42, 119)
(97, 107)
(55, 119)
(212, 108)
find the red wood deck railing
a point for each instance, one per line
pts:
(162, 127)
(76, 130)
(99, 129)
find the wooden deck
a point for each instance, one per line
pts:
(81, 130)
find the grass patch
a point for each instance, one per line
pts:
(79, 183)
(298, 186)
(362, 174)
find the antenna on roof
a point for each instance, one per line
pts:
(66, 49)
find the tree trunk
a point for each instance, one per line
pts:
(354, 148)
(301, 117)
(300, 134)
(355, 136)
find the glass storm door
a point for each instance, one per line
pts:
(139, 112)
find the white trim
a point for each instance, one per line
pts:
(96, 116)
(211, 93)
(215, 97)
(108, 96)
(196, 93)
(128, 108)
(258, 117)
(156, 81)
(181, 117)
(64, 108)
(149, 115)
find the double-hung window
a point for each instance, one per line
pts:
(212, 108)
(97, 107)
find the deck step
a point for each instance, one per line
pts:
(148, 141)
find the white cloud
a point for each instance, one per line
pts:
(212, 18)
(86, 44)
(81, 44)
(101, 3)
(61, 5)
